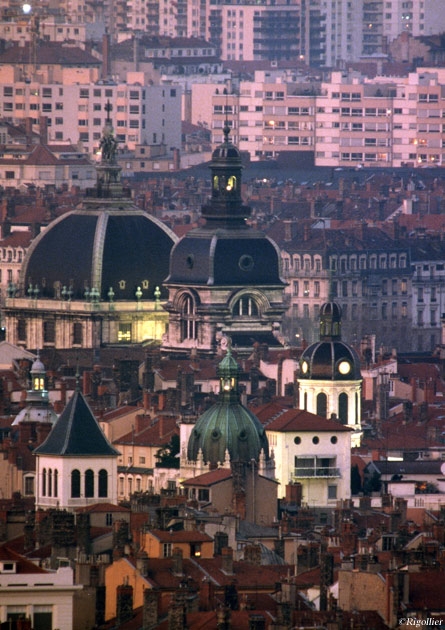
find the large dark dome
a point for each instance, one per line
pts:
(100, 246)
(228, 257)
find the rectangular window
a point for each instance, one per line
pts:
(332, 492)
(167, 550)
(124, 333)
(49, 331)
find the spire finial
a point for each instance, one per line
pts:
(77, 376)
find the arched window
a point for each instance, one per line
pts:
(188, 318)
(75, 484)
(246, 306)
(89, 483)
(343, 408)
(50, 482)
(322, 404)
(103, 483)
(305, 401)
(356, 408)
(44, 482)
(56, 483)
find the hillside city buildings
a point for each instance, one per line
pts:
(222, 390)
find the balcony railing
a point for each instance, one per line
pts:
(318, 471)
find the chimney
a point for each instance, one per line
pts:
(176, 159)
(206, 594)
(289, 230)
(252, 554)
(177, 561)
(43, 430)
(28, 130)
(176, 614)
(150, 612)
(106, 56)
(227, 560)
(257, 622)
(142, 563)
(43, 130)
(124, 603)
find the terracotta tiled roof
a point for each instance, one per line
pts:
(23, 566)
(117, 413)
(98, 508)
(17, 239)
(300, 420)
(426, 590)
(246, 574)
(41, 155)
(160, 432)
(182, 536)
(53, 53)
(210, 478)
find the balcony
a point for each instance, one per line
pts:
(319, 472)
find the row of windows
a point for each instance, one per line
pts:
(245, 307)
(50, 483)
(49, 331)
(387, 311)
(89, 481)
(345, 263)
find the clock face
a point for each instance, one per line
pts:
(304, 367)
(344, 367)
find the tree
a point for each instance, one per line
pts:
(356, 480)
(167, 455)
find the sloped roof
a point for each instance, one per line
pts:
(41, 155)
(158, 433)
(182, 536)
(408, 468)
(301, 420)
(54, 53)
(210, 478)
(77, 433)
(426, 590)
(103, 507)
(10, 353)
(23, 565)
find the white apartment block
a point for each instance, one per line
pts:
(349, 121)
(417, 17)
(51, 30)
(141, 114)
(267, 116)
(395, 122)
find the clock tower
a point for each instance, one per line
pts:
(225, 276)
(330, 378)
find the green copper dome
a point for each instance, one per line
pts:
(228, 425)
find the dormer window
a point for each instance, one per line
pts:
(8, 567)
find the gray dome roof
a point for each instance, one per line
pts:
(225, 257)
(100, 246)
(228, 425)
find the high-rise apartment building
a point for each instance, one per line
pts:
(77, 112)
